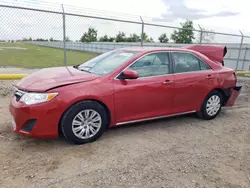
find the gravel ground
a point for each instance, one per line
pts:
(174, 152)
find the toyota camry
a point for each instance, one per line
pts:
(123, 86)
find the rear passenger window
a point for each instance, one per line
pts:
(186, 62)
(203, 65)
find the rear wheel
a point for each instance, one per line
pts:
(211, 106)
(84, 122)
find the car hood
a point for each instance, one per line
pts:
(48, 78)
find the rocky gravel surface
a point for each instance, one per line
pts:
(179, 152)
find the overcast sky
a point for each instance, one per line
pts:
(219, 15)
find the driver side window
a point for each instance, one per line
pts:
(153, 64)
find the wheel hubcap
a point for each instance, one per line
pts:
(213, 105)
(86, 124)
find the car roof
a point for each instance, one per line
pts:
(152, 49)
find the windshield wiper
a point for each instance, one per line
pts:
(85, 70)
(77, 67)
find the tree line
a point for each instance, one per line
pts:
(184, 35)
(41, 39)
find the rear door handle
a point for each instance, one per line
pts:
(209, 76)
(166, 82)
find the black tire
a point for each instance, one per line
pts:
(71, 113)
(203, 114)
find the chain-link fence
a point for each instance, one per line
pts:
(39, 35)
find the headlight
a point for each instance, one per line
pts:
(35, 98)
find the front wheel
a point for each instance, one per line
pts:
(211, 106)
(84, 122)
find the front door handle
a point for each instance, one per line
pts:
(166, 82)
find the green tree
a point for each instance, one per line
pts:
(133, 38)
(111, 39)
(183, 35)
(120, 37)
(150, 40)
(146, 38)
(106, 38)
(51, 39)
(163, 38)
(41, 39)
(90, 36)
(67, 39)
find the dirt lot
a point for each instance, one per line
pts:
(175, 152)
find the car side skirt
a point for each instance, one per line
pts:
(154, 118)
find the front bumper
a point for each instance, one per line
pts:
(234, 93)
(40, 120)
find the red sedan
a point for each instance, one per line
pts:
(123, 86)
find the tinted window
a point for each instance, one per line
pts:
(186, 62)
(153, 64)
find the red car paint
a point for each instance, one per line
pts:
(47, 78)
(126, 100)
(214, 52)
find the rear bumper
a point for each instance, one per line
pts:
(234, 93)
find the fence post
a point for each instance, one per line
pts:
(243, 63)
(64, 37)
(142, 31)
(201, 33)
(241, 42)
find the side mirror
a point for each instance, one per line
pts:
(129, 74)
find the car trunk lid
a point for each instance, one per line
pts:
(213, 52)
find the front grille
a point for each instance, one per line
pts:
(18, 94)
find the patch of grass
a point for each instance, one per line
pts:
(39, 57)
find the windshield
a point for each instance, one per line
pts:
(107, 62)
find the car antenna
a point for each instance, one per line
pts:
(64, 42)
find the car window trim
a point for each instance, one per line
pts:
(171, 71)
(162, 51)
